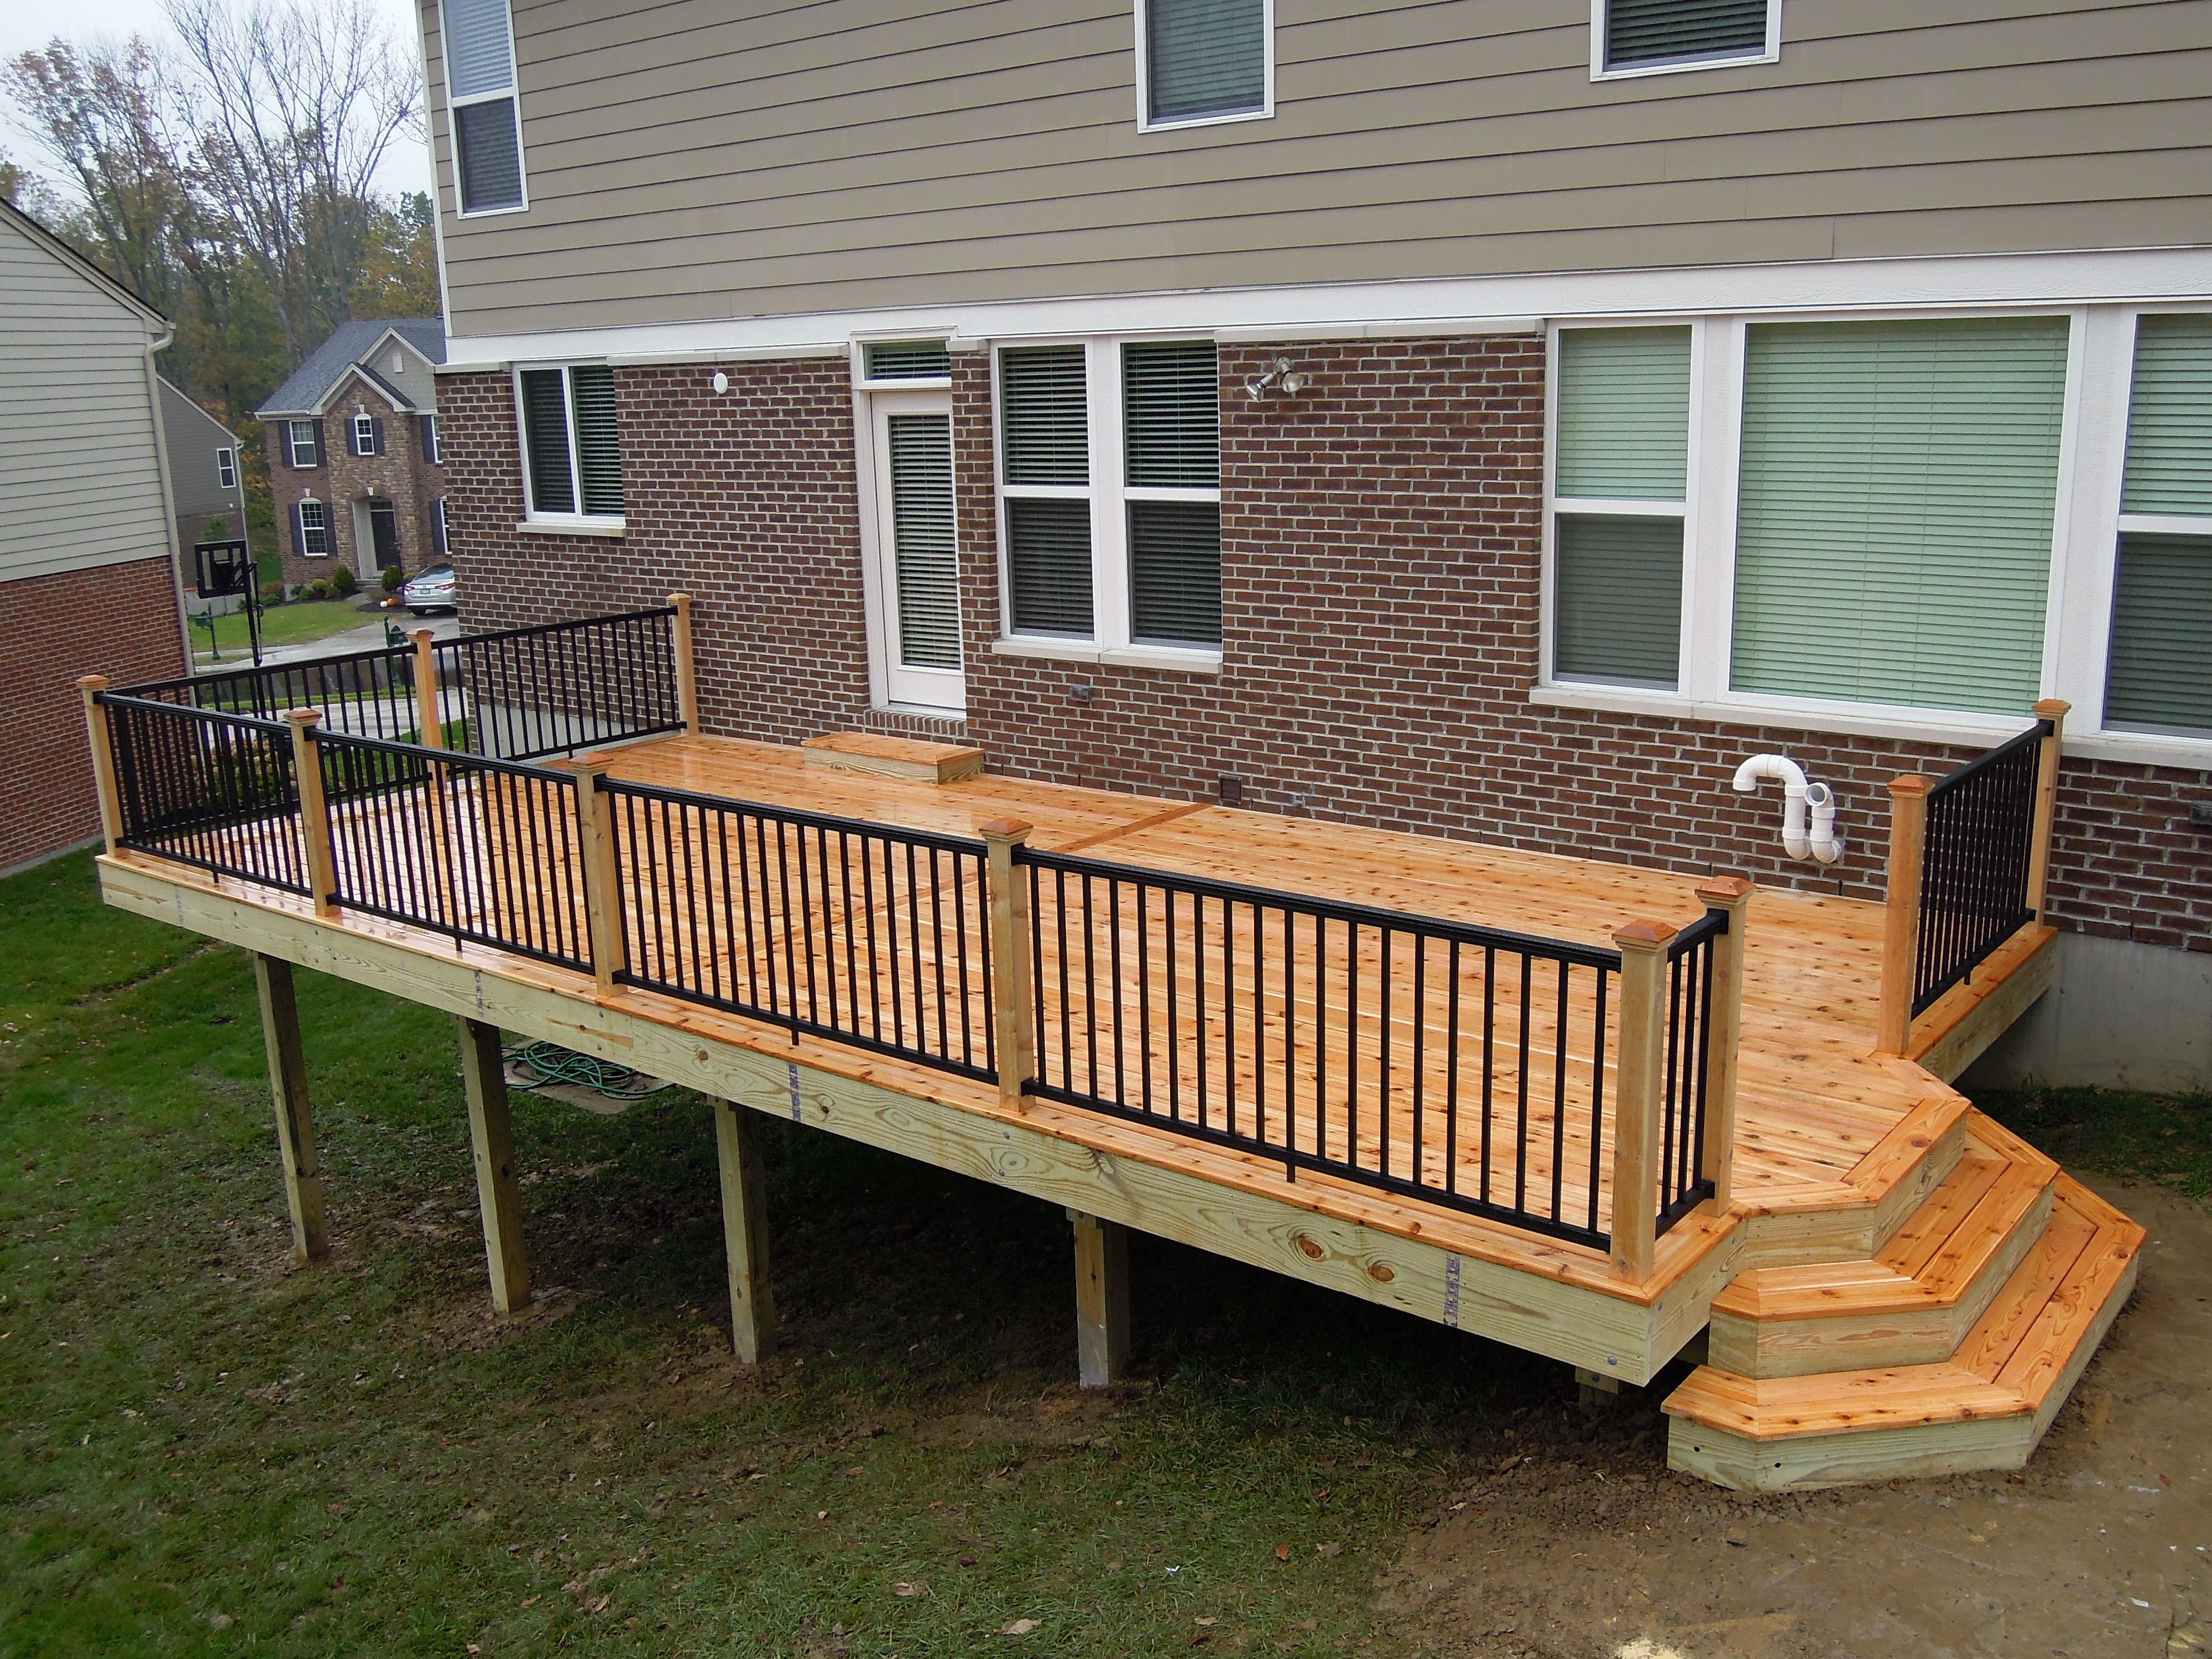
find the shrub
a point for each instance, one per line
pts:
(272, 592)
(318, 589)
(342, 582)
(394, 575)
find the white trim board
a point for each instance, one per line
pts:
(1467, 304)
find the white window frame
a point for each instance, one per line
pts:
(1771, 52)
(437, 457)
(226, 468)
(580, 522)
(363, 430)
(1109, 495)
(512, 90)
(329, 527)
(859, 349)
(442, 527)
(292, 444)
(1176, 124)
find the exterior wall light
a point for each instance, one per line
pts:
(1280, 377)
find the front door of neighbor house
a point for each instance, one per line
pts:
(917, 574)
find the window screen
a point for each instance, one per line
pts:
(1624, 424)
(2170, 418)
(1617, 600)
(598, 449)
(1205, 58)
(487, 136)
(1042, 399)
(1171, 416)
(545, 441)
(1048, 565)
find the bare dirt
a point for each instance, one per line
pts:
(2102, 1546)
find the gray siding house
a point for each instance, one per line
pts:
(206, 482)
(1490, 421)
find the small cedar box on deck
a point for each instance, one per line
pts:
(1596, 1112)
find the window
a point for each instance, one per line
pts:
(366, 434)
(487, 136)
(439, 536)
(1897, 510)
(226, 469)
(906, 360)
(310, 529)
(1646, 37)
(571, 457)
(304, 442)
(1205, 60)
(1112, 512)
(2159, 665)
(428, 424)
(1620, 483)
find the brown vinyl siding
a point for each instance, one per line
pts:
(685, 163)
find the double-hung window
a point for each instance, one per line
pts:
(303, 443)
(429, 432)
(226, 469)
(1620, 481)
(368, 435)
(1110, 484)
(1653, 36)
(571, 454)
(480, 91)
(311, 525)
(440, 538)
(1205, 60)
(2158, 675)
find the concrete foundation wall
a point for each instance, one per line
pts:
(2121, 1015)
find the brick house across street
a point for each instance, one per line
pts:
(354, 462)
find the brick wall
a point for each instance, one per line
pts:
(399, 476)
(119, 620)
(1380, 571)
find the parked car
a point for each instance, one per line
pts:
(433, 589)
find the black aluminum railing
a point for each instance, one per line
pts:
(1686, 1095)
(1460, 1065)
(1976, 855)
(871, 936)
(213, 791)
(477, 849)
(367, 694)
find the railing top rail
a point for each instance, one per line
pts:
(212, 716)
(443, 756)
(1981, 763)
(937, 839)
(231, 676)
(1588, 955)
(1715, 921)
(555, 627)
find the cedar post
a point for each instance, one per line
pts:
(2046, 803)
(1724, 1032)
(1014, 1038)
(491, 1138)
(1101, 1300)
(745, 1231)
(314, 809)
(1639, 1098)
(687, 673)
(1900, 932)
(595, 845)
(295, 1126)
(429, 716)
(103, 759)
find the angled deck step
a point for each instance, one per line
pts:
(887, 757)
(1913, 1302)
(1986, 1407)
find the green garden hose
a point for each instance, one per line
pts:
(545, 1063)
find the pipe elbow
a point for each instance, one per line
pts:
(1759, 768)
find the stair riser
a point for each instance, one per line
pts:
(1875, 1338)
(1813, 1462)
(1793, 1238)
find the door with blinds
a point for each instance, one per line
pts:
(917, 565)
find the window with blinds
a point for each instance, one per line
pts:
(480, 90)
(1896, 510)
(906, 360)
(1044, 445)
(572, 452)
(1171, 477)
(1205, 59)
(1620, 469)
(2159, 666)
(922, 540)
(1646, 34)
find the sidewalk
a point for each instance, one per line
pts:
(369, 636)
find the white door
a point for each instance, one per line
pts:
(917, 560)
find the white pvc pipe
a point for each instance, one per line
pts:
(1818, 840)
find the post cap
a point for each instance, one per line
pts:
(303, 716)
(1003, 829)
(92, 682)
(1725, 889)
(1644, 935)
(1912, 783)
(2053, 708)
(419, 635)
(585, 765)
(679, 600)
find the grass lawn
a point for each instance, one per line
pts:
(204, 1451)
(294, 623)
(2114, 1131)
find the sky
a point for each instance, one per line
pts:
(28, 24)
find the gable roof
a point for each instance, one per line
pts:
(347, 351)
(92, 273)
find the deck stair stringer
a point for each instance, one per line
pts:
(1984, 1405)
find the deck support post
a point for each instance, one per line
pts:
(2054, 710)
(295, 1124)
(1724, 1033)
(1641, 1073)
(491, 1133)
(1014, 1035)
(1101, 1300)
(103, 759)
(1900, 931)
(745, 1231)
(687, 673)
(595, 845)
(314, 811)
(429, 715)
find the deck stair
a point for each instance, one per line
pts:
(1951, 1348)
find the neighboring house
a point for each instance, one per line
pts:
(1489, 421)
(205, 479)
(354, 464)
(87, 533)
